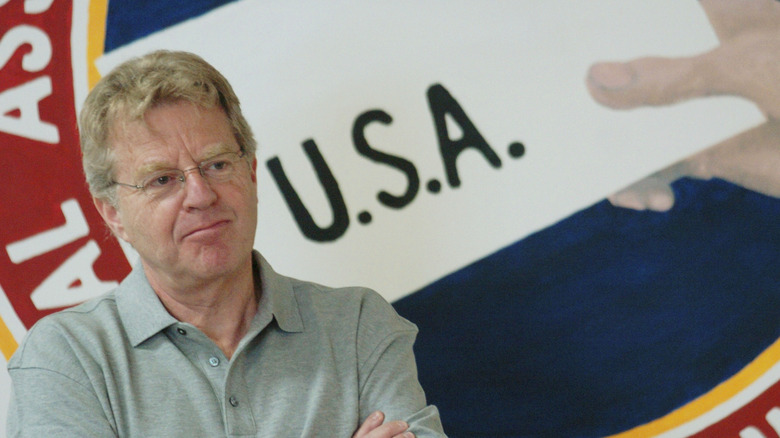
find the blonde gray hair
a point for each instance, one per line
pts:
(138, 85)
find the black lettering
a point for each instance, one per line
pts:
(442, 103)
(331, 187)
(402, 164)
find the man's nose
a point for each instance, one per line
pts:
(197, 189)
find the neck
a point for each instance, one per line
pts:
(222, 308)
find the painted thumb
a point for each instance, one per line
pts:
(644, 81)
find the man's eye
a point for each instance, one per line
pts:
(161, 180)
(218, 166)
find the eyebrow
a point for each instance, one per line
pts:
(156, 166)
(150, 168)
(221, 148)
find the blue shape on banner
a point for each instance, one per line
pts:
(605, 321)
(129, 20)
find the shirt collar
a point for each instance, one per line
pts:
(141, 311)
(278, 297)
(143, 315)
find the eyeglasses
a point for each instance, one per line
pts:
(162, 183)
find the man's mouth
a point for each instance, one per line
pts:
(207, 229)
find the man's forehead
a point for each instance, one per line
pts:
(163, 119)
(171, 122)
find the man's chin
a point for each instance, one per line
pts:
(215, 260)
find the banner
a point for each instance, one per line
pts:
(575, 202)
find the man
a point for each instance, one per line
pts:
(203, 338)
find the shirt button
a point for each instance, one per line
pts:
(182, 331)
(233, 401)
(214, 361)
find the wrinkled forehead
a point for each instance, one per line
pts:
(127, 117)
(170, 131)
(131, 125)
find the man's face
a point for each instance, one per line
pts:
(202, 231)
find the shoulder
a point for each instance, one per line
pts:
(361, 308)
(310, 296)
(344, 312)
(69, 335)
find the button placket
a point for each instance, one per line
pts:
(239, 414)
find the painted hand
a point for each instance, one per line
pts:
(746, 63)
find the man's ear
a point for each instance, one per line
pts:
(254, 170)
(112, 217)
(254, 178)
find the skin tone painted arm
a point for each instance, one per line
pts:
(746, 64)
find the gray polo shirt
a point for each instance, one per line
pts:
(315, 362)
